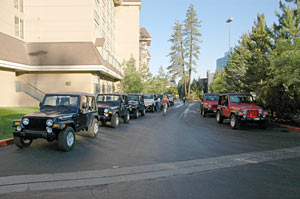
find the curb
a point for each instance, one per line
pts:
(6, 142)
(291, 128)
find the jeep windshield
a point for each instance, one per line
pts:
(60, 102)
(111, 100)
(211, 97)
(148, 97)
(241, 99)
(133, 98)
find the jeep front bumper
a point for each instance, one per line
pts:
(34, 134)
(253, 118)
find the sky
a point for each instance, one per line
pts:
(158, 17)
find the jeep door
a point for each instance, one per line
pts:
(122, 106)
(225, 108)
(83, 113)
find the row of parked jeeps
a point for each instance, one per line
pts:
(61, 115)
(239, 108)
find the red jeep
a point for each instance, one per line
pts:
(240, 108)
(209, 103)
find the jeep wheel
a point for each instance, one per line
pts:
(153, 109)
(143, 112)
(126, 117)
(136, 114)
(66, 139)
(93, 130)
(115, 121)
(234, 122)
(203, 113)
(219, 117)
(22, 142)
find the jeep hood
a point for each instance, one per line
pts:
(211, 102)
(246, 106)
(106, 106)
(50, 114)
(131, 102)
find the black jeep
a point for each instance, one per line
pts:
(137, 105)
(60, 116)
(111, 107)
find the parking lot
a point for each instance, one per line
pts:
(180, 155)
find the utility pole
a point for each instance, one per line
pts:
(228, 21)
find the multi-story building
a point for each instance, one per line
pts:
(222, 62)
(64, 46)
(145, 42)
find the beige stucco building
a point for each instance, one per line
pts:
(145, 42)
(64, 46)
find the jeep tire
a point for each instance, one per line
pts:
(126, 117)
(219, 117)
(234, 122)
(135, 114)
(143, 112)
(93, 130)
(22, 142)
(115, 121)
(152, 109)
(203, 113)
(66, 139)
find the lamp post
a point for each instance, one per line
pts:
(228, 21)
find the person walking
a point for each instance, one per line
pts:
(183, 99)
(158, 104)
(165, 103)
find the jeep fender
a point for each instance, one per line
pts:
(70, 123)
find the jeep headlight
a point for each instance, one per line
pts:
(106, 110)
(245, 111)
(25, 121)
(260, 111)
(49, 122)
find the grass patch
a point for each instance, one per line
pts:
(8, 115)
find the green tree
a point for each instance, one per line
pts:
(177, 54)
(218, 85)
(192, 41)
(236, 68)
(297, 2)
(132, 82)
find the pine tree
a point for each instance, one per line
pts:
(236, 68)
(132, 82)
(218, 85)
(192, 41)
(177, 62)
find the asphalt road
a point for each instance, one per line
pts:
(182, 155)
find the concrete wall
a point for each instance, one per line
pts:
(127, 33)
(59, 82)
(59, 20)
(9, 96)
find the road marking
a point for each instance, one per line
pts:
(186, 111)
(56, 181)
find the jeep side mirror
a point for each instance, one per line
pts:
(84, 105)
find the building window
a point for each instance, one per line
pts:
(16, 4)
(17, 31)
(21, 5)
(21, 28)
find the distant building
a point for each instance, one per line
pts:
(203, 84)
(221, 62)
(210, 78)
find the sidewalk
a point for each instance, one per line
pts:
(6, 142)
(291, 128)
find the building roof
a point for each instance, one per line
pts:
(51, 53)
(144, 34)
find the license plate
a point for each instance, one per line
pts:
(256, 119)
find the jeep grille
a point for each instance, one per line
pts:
(252, 113)
(101, 111)
(36, 124)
